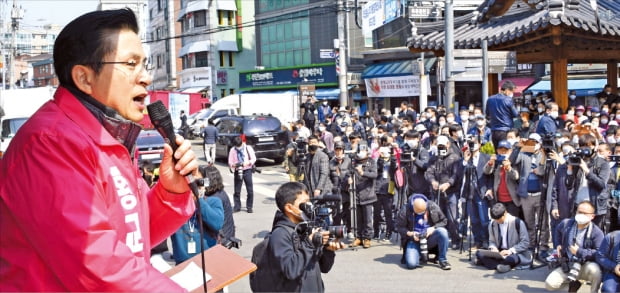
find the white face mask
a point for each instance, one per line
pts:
(442, 123)
(566, 150)
(582, 219)
(604, 121)
(609, 93)
(611, 139)
(476, 147)
(572, 97)
(512, 141)
(540, 110)
(480, 122)
(570, 113)
(324, 103)
(536, 147)
(554, 114)
(321, 128)
(450, 120)
(412, 143)
(511, 95)
(464, 117)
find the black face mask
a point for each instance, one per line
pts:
(313, 148)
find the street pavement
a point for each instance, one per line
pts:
(376, 269)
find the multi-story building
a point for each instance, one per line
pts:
(43, 73)
(163, 44)
(138, 7)
(215, 45)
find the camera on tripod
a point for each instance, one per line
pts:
(408, 153)
(320, 212)
(548, 142)
(574, 159)
(301, 148)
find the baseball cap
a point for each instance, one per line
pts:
(524, 109)
(420, 128)
(342, 109)
(536, 137)
(504, 144)
(480, 116)
(443, 140)
(594, 110)
(339, 145)
(581, 107)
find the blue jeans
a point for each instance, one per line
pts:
(478, 210)
(610, 283)
(438, 239)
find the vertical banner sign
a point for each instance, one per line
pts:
(239, 30)
(337, 60)
(373, 17)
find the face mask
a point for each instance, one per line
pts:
(611, 139)
(566, 150)
(460, 135)
(540, 110)
(321, 128)
(582, 219)
(450, 120)
(480, 122)
(433, 149)
(324, 103)
(537, 147)
(609, 93)
(510, 95)
(412, 143)
(604, 121)
(476, 147)
(501, 158)
(606, 110)
(471, 108)
(472, 118)
(512, 141)
(313, 148)
(442, 151)
(554, 114)
(570, 113)
(442, 123)
(579, 113)
(464, 117)
(572, 97)
(538, 100)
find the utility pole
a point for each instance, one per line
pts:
(342, 56)
(17, 13)
(449, 56)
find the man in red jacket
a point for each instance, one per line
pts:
(74, 213)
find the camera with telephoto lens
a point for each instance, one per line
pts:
(423, 247)
(574, 159)
(239, 170)
(574, 267)
(319, 213)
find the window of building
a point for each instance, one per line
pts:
(286, 42)
(226, 17)
(226, 59)
(185, 23)
(202, 59)
(151, 14)
(231, 91)
(158, 61)
(200, 18)
(160, 4)
(222, 92)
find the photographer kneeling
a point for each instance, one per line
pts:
(294, 261)
(422, 224)
(579, 241)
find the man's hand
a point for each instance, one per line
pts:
(493, 248)
(443, 187)
(435, 185)
(574, 248)
(584, 166)
(466, 155)
(335, 245)
(171, 174)
(430, 231)
(317, 192)
(617, 270)
(489, 194)
(555, 213)
(505, 252)
(559, 250)
(359, 169)
(506, 165)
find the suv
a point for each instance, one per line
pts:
(263, 132)
(150, 145)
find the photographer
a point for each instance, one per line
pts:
(421, 223)
(579, 242)
(365, 172)
(340, 171)
(295, 261)
(443, 176)
(317, 169)
(608, 257)
(614, 187)
(241, 159)
(415, 158)
(562, 202)
(477, 191)
(386, 166)
(587, 177)
(505, 178)
(294, 150)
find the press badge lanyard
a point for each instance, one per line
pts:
(191, 244)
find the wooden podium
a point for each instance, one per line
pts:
(224, 266)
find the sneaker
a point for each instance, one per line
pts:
(250, 210)
(455, 246)
(376, 237)
(366, 243)
(356, 242)
(236, 209)
(350, 236)
(503, 268)
(445, 265)
(387, 237)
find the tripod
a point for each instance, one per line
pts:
(470, 191)
(353, 200)
(543, 210)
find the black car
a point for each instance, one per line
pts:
(263, 132)
(150, 147)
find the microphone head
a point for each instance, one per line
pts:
(157, 112)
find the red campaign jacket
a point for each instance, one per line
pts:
(75, 215)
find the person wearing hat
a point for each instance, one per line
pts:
(443, 175)
(501, 111)
(523, 123)
(531, 164)
(342, 120)
(339, 173)
(505, 178)
(548, 123)
(365, 172)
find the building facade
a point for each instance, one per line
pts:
(162, 44)
(43, 73)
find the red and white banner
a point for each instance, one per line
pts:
(394, 86)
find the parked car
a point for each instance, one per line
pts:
(263, 132)
(150, 145)
(9, 126)
(198, 121)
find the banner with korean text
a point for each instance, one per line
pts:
(394, 86)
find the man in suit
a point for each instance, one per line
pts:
(505, 178)
(477, 189)
(317, 169)
(506, 238)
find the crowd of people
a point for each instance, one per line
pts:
(528, 181)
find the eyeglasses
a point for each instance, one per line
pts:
(132, 64)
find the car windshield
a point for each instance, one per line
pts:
(150, 137)
(261, 124)
(203, 114)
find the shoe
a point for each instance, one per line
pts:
(445, 265)
(376, 237)
(387, 237)
(366, 243)
(236, 209)
(350, 236)
(356, 242)
(455, 246)
(503, 268)
(250, 210)
(474, 259)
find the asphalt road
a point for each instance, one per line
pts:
(378, 268)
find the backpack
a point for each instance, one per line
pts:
(263, 274)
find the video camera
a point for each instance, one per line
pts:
(408, 153)
(320, 212)
(301, 149)
(574, 159)
(548, 142)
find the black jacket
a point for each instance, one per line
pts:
(296, 265)
(228, 229)
(416, 180)
(365, 183)
(405, 219)
(448, 169)
(597, 183)
(382, 183)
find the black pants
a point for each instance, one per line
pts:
(344, 216)
(364, 221)
(249, 187)
(497, 136)
(310, 124)
(384, 202)
(491, 263)
(513, 209)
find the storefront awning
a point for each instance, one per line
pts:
(226, 5)
(583, 86)
(331, 93)
(521, 82)
(230, 46)
(395, 68)
(193, 6)
(199, 46)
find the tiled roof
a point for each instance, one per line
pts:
(524, 17)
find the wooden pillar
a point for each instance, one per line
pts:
(493, 83)
(612, 75)
(559, 82)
